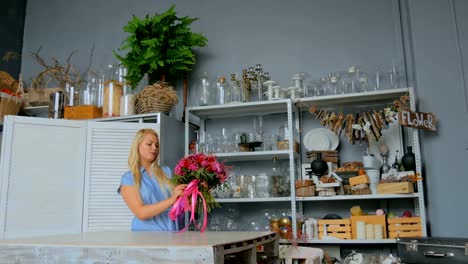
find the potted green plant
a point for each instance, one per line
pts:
(160, 46)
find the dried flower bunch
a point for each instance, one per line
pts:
(62, 74)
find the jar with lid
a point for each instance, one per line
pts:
(283, 138)
(205, 95)
(221, 90)
(113, 91)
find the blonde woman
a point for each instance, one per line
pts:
(146, 188)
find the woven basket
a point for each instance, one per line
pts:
(7, 81)
(159, 97)
(10, 101)
(39, 97)
(9, 105)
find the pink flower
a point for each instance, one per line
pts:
(193, 166)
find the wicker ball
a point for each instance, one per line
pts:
(158, 97)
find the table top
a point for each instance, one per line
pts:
(140, 239)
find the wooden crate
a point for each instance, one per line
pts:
(353, 181)
(327, 155)
(340, 228)
(369, 219)
(404, 227)
(395, 188)
(82, 112)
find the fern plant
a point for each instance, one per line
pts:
(159, 45)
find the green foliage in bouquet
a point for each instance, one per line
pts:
(159, 44)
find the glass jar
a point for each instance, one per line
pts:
(235, 89)
(221, 90)
(112, 92)
(204, 94)
(127, 104)
(56, 105)
(72, 95)
(89, 92)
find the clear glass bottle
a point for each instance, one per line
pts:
(221, 90)
(88, 94)
(278, 186)
(204, 93)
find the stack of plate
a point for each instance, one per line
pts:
(320, 139)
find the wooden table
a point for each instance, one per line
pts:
(141, 247)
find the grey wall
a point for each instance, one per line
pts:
(439, 57)
(317, 37)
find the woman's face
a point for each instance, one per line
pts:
(148, 149)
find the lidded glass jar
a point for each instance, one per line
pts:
(112, 92)
(205, 95)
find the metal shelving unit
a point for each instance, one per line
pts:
(202, 113)
(369, 99)
(364, 99)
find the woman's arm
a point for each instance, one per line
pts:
(143, 211)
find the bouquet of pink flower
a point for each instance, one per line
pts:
(201, 172)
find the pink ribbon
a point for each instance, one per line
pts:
(183, 205)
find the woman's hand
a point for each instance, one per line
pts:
(178, 191)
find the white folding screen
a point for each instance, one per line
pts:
(42, 176)
(108, 146)
(61, 176)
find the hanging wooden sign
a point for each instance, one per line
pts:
(420, 120)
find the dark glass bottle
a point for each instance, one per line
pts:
(408, 161)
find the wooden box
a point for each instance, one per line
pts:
(327, 155)
(339, 228)
(369, 219)
(404, 227)
(395, 187)
(353, 181)
(305, 191)
(82, 112)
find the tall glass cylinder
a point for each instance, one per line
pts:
(235, 89)
(89, 92)
(113, 91)
(72, 95)
(204, 93)
(56, 105)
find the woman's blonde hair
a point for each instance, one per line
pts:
(134, 163)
